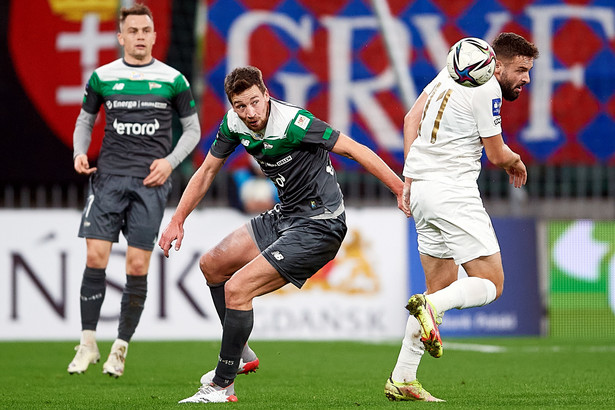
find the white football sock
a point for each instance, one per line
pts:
(88, 337)
(464, 293)
(410, 354)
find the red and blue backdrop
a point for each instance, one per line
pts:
(328, 56)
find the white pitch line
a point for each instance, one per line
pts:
(474, 347)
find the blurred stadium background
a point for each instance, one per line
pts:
(357, 64)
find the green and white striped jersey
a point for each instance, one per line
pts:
(293, 151)
(139, 103)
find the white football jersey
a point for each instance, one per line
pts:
(448, 147)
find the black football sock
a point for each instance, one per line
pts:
(93, 287)
(133, 301)
(236, 331)
(217, 295)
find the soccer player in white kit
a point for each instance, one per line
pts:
(444, 135)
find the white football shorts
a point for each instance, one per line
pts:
(451, 221)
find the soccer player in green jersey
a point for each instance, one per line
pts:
(130, 185)
(288, 243)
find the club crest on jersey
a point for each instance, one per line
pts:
(267, 145)
(302, 121)
(154, 85)
(496, 104)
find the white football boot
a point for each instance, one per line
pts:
(86, 354)
(114, 366)
(212, 393)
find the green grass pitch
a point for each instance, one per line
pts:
(523, 373)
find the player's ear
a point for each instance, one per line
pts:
(120, 39)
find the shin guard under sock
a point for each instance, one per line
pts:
(236, 331)
(133, 301)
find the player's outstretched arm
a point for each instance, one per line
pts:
(349, 148)
(500, 154)
(412, 120)
(195, 191)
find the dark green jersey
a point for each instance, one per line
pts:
(293, 151)
(139, 103)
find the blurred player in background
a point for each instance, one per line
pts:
(130, 186)
(443, 144)
(288, 243)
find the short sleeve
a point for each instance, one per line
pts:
(486, 105)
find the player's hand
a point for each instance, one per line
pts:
(403, 203)
(517, 174)
(159, 172)
(173, 232)
(82, 166)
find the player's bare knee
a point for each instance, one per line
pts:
(137, 267)
(499, 289)
(206, 268)
(234, 294)
(211, 269)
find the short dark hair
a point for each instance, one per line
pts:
(242, 78)
(510, 45)
(138, 9)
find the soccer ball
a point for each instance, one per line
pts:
(471, 62)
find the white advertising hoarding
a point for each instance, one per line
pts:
(358, 296)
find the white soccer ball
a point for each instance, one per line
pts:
(471, 62)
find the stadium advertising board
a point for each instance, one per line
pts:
(349, 299)
(581, 266)
(331, 57)
(520, 310)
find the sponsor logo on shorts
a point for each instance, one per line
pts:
(277, 255)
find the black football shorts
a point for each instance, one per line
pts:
(122, 203)
(297, 246)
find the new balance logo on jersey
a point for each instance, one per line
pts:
(119, 86)
(135, 128)
(154, 85)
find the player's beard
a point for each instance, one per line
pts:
(508, 90)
